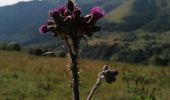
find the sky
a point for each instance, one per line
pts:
(10, 2)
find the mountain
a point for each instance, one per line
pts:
(20, 22)
(149, 15)
(135, 31)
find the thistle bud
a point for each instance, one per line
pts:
(43, 29)
(61, 9)
(67, 13)
(97, 13)
(51, 28)
(50, 22)
(77, 12)
(56, 14)
(68, 19)
(70, 5)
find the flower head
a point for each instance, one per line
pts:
(97, 12)
(61, 9)
(43, 29)
(67, 18)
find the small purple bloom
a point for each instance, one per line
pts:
(97, 12)
(43, 29)
(50, 22)
(61, 9)
(56, 14)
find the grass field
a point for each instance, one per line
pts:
(27, 77)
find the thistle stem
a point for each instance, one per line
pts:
(73, 53)
(97, 84)
(75, 76)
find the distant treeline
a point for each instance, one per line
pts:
(37, 51)
(155, 54)
(152, 54)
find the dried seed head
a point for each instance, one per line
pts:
(110, 75)
(105, 67)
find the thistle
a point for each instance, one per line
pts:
(69, 25)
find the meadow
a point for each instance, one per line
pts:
(28, 77)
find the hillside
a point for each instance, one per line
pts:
(149, 15)
(134, 31)
(20, 22)
(23, 76)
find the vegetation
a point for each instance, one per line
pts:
(26, 77)
(10, 46)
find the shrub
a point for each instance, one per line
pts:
(158, 60)
(11, 47)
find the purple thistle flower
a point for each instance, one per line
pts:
(61, 9)
(43, 29)
(50, 22)
(97, 12)
(56, 14)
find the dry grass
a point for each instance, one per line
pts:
(27, 77)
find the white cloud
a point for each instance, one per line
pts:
(10, 2)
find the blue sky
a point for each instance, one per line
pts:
(10, 2)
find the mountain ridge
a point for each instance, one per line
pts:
(20, 22)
